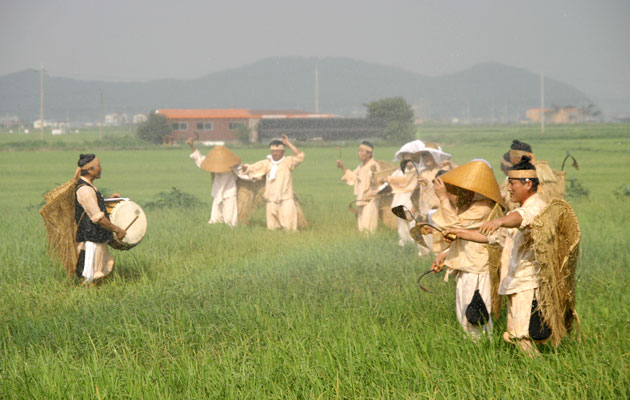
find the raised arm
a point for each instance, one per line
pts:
(287, 142)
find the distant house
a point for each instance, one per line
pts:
(555, 115)
(223, 124)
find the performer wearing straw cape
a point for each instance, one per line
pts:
(468, 195)
(223, 164)
(94, 229)
(78, 224)
(540, 280)
(365, 187)
(282, 209)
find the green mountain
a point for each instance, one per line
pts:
(478, 93)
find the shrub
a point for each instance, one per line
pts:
(622, 192)
(575, 190)
(174, 199)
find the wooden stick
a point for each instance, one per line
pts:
(131, 223)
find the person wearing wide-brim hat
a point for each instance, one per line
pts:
(222, 163)
(522, 279)
(432, 160)
(403, 182)
(281, 208)
(474, 194)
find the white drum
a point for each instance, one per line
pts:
(130, 216)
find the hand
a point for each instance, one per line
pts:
(422, 181)
(340, 165)
(426, 229)
(447, 164)
(244, 168)
(190, 141)
(490, 227)
(121, 233)
(440, 188)
(450, 235)
(438, 263)
(115, 195)
(285, 140)
(381, 180)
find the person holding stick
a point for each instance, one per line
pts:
(468, 196)
(94, 229)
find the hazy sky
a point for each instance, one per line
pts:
(584, 43)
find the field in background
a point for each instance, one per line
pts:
(201, 311)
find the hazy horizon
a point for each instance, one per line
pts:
(578, 42)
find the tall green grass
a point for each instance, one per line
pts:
(205, 311)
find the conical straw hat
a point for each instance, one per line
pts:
(475, 176)
(220, 159)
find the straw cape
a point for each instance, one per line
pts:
(385, 200)
(494, 260)
(220, 159)
(249, 196)
(58, 214)
(552, 182)
(475, 176)
(555, 234)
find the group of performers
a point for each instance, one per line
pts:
(479, 231)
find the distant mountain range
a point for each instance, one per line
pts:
(488, 91)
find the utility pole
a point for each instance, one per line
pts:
(542, 102)
(41, 103)
(100, 124)
(317, 87)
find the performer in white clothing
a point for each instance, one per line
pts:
(223, 164)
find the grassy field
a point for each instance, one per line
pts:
(205, 311)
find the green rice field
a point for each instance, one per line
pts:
(200, 311)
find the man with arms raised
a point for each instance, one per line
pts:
(279, 194)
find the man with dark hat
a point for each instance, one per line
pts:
(521, 281)
(365, 187)
(94, 229)
(222, 163)
(282, 212)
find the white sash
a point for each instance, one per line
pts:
(274, 167)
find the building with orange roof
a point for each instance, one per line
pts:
(223, 124)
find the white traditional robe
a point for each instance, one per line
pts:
(365, 187)
(279, 193)
(224, 203)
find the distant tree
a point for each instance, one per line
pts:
(154, 129)
(243, 133)
(397, 114)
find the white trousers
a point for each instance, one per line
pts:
(467, 283)
(224, 211)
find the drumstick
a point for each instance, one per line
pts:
(131, 223)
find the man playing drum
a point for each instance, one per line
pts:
(94, 229)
